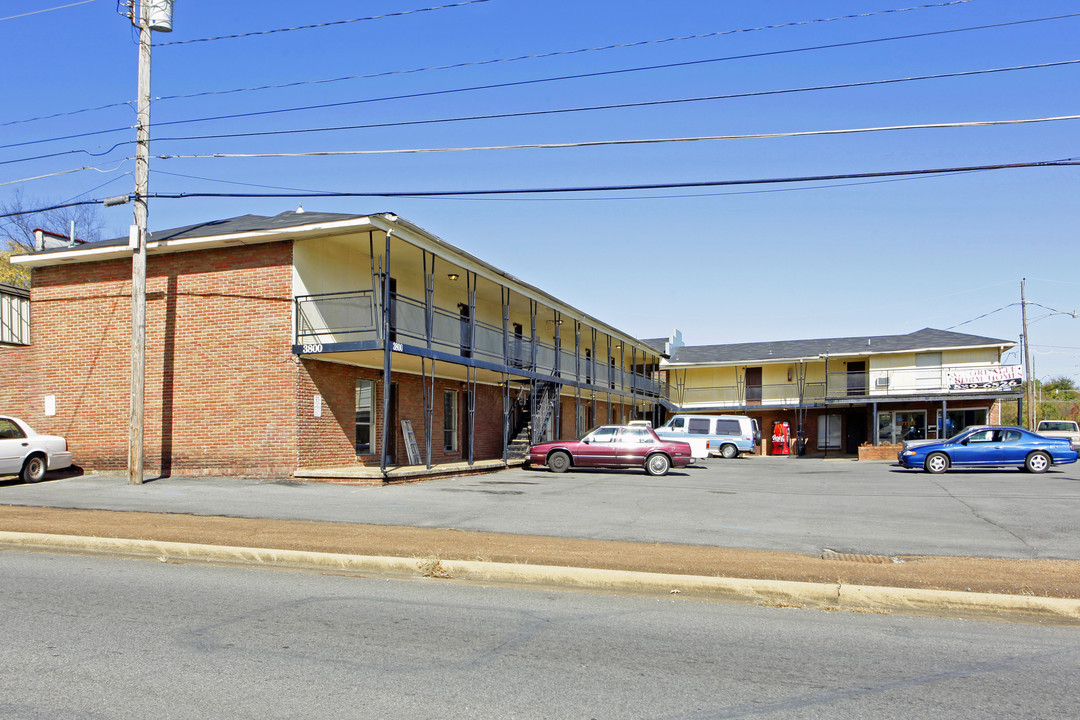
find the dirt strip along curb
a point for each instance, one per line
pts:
(776, 593)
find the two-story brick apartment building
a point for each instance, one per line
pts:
(839, 393)
(309, 340)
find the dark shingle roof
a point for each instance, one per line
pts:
(927, 338)
(228, 226)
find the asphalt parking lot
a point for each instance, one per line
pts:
(804, 505)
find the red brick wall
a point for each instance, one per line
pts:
(220, 376)
(330, 440)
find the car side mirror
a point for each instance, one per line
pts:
(965, 441)
(586, 440)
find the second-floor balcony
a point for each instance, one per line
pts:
(330, 321)
(843, 387)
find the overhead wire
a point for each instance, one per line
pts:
(1066, 162)
(638, 141)
(64, 172)
(605, 73)
(554, 111)
(610, 106)
(492, 61)
(38, 12)
(558, 53)
(330, 23)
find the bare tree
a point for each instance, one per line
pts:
(19, 220)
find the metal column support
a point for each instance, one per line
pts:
(429, 298)
(532, 361)
(556, 371)
(386, 355)
(506, 418)
(504, 294)
(577, 377)
(429, 407)
(877, 435)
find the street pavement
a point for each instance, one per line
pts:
(804, 507)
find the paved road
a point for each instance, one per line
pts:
(108, 638)
(798, 505)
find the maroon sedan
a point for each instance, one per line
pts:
(613, 446)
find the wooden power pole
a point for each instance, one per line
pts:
(151, 15)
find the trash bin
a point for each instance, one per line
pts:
(800, 446)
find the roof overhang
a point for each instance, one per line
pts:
(179, 243)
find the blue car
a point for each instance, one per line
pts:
(993, 446)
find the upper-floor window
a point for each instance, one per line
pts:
(14, 316)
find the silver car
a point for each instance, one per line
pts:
(27, 454)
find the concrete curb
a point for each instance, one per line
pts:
(776, 593)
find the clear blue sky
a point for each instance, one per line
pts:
(734, 264)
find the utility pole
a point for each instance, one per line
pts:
(151, 15)
(1030, 393)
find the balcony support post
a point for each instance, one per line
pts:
(429, 406)
(429, 298)
(385, 444)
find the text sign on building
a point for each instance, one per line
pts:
(985, 378)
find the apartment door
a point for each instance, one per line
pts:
(856, 377)
(753, 386)
(854, 432)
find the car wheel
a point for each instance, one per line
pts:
(936, 463)
(1037, 462)
(33, 470)
(657, 464)
(558, 462)
(728, 451)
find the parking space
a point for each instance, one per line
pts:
(803, 505)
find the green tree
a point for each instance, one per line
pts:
(1058, 399)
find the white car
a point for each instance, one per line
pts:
(27, 454)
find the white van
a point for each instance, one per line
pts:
(728, 435)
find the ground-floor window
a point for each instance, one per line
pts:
(957, 420)
(365, 415)
(828, 432)
(450, 421)
(895, 427)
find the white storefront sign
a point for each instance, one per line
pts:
(985, 378)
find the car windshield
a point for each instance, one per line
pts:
(602, 435)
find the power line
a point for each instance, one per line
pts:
(64, 172)
(646, 141)
(612, 106)
(38, 12)
(1067, 162)
(513, 59)
(557, 53)
(606, 73)
(593, 199)
(531, 113)
(324, 24)
(650, 186)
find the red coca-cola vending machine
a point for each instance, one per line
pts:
(781, 439)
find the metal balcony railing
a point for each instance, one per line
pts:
(330, 318)
(836, 386)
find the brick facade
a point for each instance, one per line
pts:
(220, 376)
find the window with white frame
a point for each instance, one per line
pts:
(365, 416)
(828, 432)
(450, 421)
